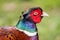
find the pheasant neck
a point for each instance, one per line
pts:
(27, 26)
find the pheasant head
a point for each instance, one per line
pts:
(34, 14)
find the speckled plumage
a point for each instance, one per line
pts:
(11, 33)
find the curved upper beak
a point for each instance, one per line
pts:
(44, 14)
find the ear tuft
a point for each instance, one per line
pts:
(22, 12)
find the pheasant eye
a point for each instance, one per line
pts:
(35, 13)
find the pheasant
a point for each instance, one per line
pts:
(26, 27)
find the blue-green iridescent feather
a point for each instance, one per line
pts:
(26, 25)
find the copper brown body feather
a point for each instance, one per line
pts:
(11, 33)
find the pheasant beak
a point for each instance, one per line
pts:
(44, 14)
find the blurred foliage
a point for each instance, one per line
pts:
(26, 0)
(49, 28)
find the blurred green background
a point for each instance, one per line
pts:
(48, 29)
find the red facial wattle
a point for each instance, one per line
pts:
(36, 18)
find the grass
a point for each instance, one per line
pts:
(48, 29)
